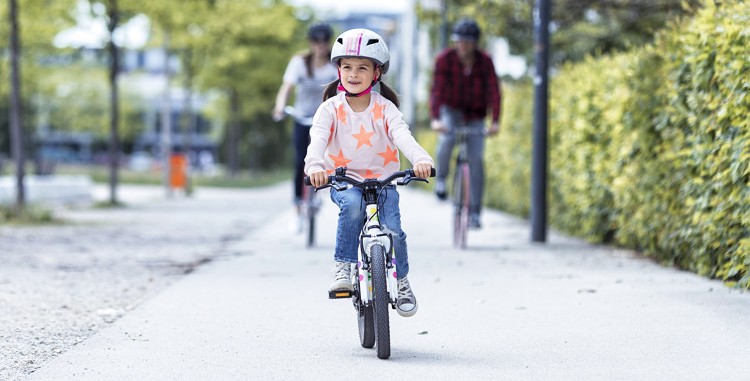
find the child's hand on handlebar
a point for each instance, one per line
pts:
(318, 179)
(423, 169)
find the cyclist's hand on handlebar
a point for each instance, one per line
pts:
(318, 179)
(423, 169)
(494, 129)
(438, 125)
(277, 114)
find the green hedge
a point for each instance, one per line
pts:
(649, 149)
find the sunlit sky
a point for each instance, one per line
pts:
(394, 6)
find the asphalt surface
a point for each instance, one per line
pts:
(505, 309)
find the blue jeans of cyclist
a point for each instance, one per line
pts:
(475, 147)
(351, 220)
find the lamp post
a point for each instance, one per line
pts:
(539, 154)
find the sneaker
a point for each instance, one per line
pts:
(440, 192)
(342, 277)
(474, 221)
(406, 303)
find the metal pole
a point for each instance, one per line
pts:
(166, 120)
(443, 33)
(539, 154)
(16, 129)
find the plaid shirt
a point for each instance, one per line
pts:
(472, 93)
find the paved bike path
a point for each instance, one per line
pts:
(505, 309)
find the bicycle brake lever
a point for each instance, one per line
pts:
(339, 187)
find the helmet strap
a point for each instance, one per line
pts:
(341, 87)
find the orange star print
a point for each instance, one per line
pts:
(340, 160)
(377, 111)
(369, 174)
(389, 155)
(341, 114)
(363, 137)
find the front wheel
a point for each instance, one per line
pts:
(310, 212)
(380, 301)
(461, 205)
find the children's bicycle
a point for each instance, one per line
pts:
(375, 286)
(462, 187)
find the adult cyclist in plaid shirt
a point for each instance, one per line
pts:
(464, 87)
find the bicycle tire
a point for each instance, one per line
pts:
(381, 301)
(312, 210)
(365, 318)
(461, 205)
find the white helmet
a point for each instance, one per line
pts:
(361, 43)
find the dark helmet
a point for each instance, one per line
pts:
(320, 32)
(466, 29)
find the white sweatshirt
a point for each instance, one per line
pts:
(366, 142)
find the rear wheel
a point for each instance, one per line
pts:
(461, 205)
(380, 301)
(365, 318)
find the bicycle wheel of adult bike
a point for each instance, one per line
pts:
(312, 210)
(365, 318)
(461, 205)
(380, 301)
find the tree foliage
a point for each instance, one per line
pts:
(579, 27)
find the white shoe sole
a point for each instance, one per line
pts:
(341, 287)
(408, 313)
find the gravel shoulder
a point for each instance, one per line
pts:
(60, 284)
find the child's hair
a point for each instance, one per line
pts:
(307, 57)
(332, 89)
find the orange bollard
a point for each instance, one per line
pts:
(178, 172)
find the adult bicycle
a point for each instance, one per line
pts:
(375, 286)
(461, 190)
(309, 203)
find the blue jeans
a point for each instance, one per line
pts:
(301, 139)
(352, 218)
(475, 147)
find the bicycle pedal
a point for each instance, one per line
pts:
(343, 294)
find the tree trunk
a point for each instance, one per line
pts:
(16, 131)
(234, 132)
(114, 67)
(166, 120)
(188, 120)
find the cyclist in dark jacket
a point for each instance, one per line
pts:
(464, 87)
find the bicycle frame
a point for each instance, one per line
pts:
(462, 187)
(373, 234)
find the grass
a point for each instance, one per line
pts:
(33, 214)
(252, 179)
(29, 215)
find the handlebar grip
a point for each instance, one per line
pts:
(433, 172)
(307, 180)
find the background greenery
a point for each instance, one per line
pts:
(649, 149)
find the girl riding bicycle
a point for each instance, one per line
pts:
(363, 130)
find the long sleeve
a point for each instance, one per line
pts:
(439, 83)
(494, 100)
(398, 131)
(320, 135)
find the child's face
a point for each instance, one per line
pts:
(357, 74)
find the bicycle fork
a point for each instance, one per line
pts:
(373, 235)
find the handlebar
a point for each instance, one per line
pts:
(340, 176)
(292, 112)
